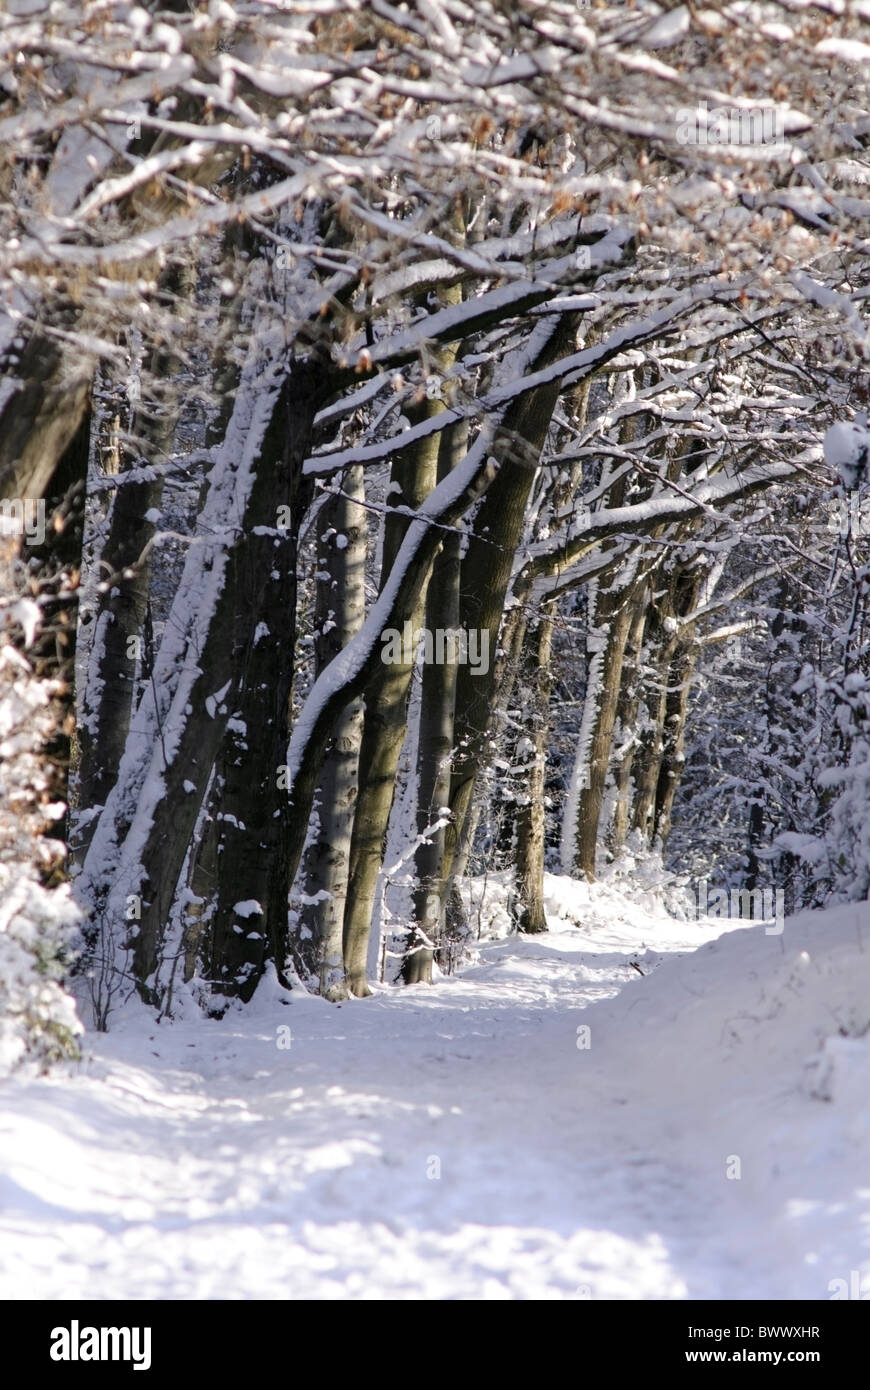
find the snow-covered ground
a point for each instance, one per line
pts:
(460, 1141)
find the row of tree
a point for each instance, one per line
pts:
(326, 322)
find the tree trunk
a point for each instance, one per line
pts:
(657, 651)
(669, 661)
(386, 699)
(486, 573)
(248, 923)
(435, 744)
(673, 736)
(41, 413)
(626, 724)
(610, 622)
(384, 727)
(531, 820)
(212, 667)
(339, 613)
(116, 645)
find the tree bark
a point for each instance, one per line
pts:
(119, 614)
(219, 671)
(666, 658)
(386, 699)
(486, 573)
(626, 724)
(384, 726)
(41, 415)
(679, 684)
(339, 614)
(248, 922)
(435, 744)
(531, 819)
(610, 622)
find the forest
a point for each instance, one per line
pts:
(433, 489)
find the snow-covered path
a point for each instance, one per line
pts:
(456, 1142)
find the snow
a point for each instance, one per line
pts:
(214, 703)
(849, 50)
(670, 29)
(846, 448)
(461, 1141)
(26, 613)
(38, 925)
